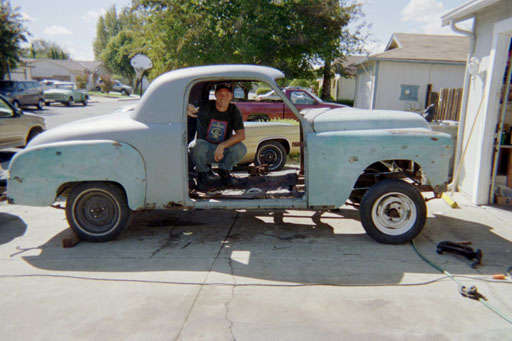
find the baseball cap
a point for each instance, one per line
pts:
(224, 85)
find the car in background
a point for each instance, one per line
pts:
(270, 143)
(66, 93)
(22, 93)
(48, 84)
(17, 128)
(271, 106)
(124, 89)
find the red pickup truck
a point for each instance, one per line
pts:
(270, 105)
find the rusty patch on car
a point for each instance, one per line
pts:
(117, 144)
(353, 159)
(434, 139)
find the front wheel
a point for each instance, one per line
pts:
(271, 153)
(393, 212)
(97, 211)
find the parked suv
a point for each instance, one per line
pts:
(124, 89)
(23, 93)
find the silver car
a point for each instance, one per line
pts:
(17, 128)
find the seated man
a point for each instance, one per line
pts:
(215, 141)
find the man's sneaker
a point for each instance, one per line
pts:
(227, 180)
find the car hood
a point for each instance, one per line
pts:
(99, 127)
(57, 91)
(343, 119)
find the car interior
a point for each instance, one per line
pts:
(256, 181)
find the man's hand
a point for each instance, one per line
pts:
(192, 111)
(219, 152)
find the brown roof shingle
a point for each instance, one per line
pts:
(425, 47)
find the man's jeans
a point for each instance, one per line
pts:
(202, 154)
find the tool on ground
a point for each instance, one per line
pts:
(462, 249)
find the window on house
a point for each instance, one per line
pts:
(409, 92)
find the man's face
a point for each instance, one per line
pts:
(223, 98)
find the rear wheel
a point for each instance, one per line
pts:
(40, 104)
(271, 153)
(124, 92)
(97, 211)
(85, 101)
(69, 102)
(393, 212)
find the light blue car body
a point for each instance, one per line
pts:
(144, 149)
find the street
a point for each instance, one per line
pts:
(249, 275)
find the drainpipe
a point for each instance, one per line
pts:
(463, 109)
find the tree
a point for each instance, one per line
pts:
(41, 48)
(118, 52)
(12, 33)
(290, 35)
(110, 25)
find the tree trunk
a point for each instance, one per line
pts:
(326, 85)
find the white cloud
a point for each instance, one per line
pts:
(427, 14)
(26, 17)
(92, 16)
(56, 30)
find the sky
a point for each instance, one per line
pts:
(72, 23)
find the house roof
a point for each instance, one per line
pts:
(467, 10)
(425, 47)
(69, 64)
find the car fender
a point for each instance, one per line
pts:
(37, 173)
(348, 153)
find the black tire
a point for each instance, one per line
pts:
(271, 153)
(393, 212)
(85, 101)
(69, 102)
(33, 133)
(97, 211)
(16, 104)
(47, 103)
(40, 104)
(124, 92)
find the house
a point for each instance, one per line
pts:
(63, 70)
(483, 171)
(411, 66)
(66, 70)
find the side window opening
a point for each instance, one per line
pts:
(271, 167)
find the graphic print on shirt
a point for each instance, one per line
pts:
(217, 131)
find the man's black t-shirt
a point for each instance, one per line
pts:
(215, 126)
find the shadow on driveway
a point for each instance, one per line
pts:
(283, 246)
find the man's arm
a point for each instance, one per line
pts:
(238, 136)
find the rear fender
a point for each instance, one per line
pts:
(36, 174)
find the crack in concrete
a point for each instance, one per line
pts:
(228, 303)
(202, 285)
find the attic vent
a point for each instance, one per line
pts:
(393, 45)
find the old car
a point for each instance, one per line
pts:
(270, 143)
(17, 128)
(66, 93)
(383, 162)
(271, 106)
(22, 93)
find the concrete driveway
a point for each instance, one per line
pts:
(257, 275)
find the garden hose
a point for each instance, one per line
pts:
(469, 293)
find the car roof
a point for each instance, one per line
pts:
(169, 87)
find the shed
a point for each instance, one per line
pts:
(410, 66)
